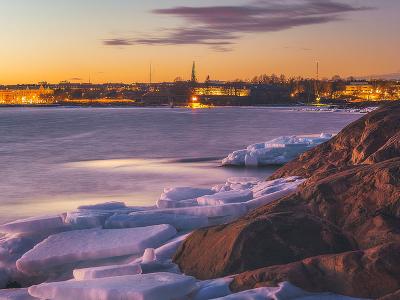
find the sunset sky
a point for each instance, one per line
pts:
(116, 40)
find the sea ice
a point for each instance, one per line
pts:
(154, 286)
(181, 196)
(267, 187)
(277, 151)
(210, 289)
(86, 219)
(154, 217)
(36, 225)
(90, 244)
(226, 197)
(107, 271)
(105, 206)
(285, 291)
(149, 255)
(15, 294)
(268, 198)
(234, 210)
(168, 250)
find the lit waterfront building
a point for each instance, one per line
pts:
(39, 96)
(221, 91)
(359, 88)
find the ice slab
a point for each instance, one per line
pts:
(90, 244)
(168, 250)
(113, 205)
(210, 289)
(147, 218)
(234, 210)
(155, 286)
(149, 255)
(86, 219)
(248, 181)
(277, 151)
(269, 198)
(107, 271)
(267, 187)
(236, 183)
(226, 197)
(285, 291)
(15, 294)
(181, 196)
(34, 225)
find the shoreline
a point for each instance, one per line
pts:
(110, 250)
(178, 211)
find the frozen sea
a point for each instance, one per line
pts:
(55, 159)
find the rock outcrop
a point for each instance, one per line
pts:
(262, 240)
(371, 139)
(369, 274)
(348, 211)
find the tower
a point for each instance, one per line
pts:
(151, 74)
(194, 77)
(317, 96)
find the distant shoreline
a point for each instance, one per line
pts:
(98, 105)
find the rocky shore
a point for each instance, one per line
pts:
(339, 232)
(324, 226)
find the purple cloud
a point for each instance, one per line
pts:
(220, 26)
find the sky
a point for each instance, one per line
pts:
(118, 40)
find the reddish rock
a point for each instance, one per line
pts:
(265, 240)
(371, 273)
(373, 138)
(364, 201)
(351, 201)
(392, 296)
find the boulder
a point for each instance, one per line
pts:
(371, 139)
(249, 244)
(371, 273)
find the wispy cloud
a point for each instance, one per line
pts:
(220, 26)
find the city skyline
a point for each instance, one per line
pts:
(116, 42)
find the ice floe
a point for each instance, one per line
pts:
(277, 151)
(107, 271)
(364, 110)
(210, 289)
(154, 217)
(155, 286)
(181, 196)
(234, 196)
(166, 251)
(15, 294)
(113, 251)
(35, 224)
(285, 291)
(89, 244)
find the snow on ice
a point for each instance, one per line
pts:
(90, 244)
(156, 286)
(147, 218)
(274, 152)
(285, 291)
(122, 252)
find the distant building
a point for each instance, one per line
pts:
(221, 91)
(27, 96)
(359, 87)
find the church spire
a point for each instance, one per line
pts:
(194, 77)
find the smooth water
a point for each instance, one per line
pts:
(55, 159)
